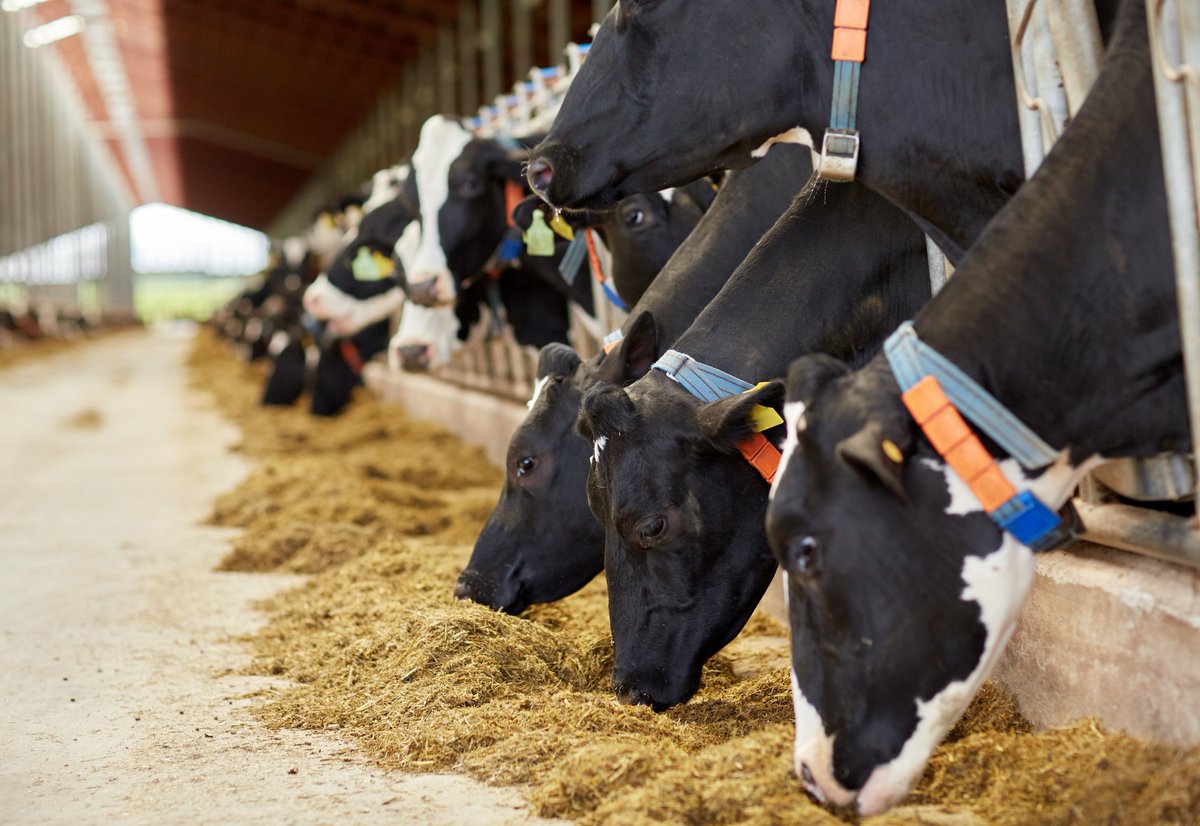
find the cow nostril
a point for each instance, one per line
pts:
(541, 175)
(806, 775)
(462, 590)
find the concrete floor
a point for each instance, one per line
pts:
(115, 656)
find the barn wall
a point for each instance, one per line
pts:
(56, 178)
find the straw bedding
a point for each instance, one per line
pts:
(382, 510)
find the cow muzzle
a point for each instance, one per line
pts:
(436, 290)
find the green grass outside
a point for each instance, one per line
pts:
(165, 297)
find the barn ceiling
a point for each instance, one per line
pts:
(239, 101)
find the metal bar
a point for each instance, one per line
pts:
(559, 29)
(489, 32)
(522, 39)
(1181, 156)
(447, 70)
(1076, 34)
(1143, 531)
(468, 59)
(937, 266)
(600, 9)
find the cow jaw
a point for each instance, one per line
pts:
(346, 314)
(442, 141)
(433, 328)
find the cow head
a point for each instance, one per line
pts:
(361, 285)
(902, 592)
(541, 543)
(647, 110)
(459, 185)
(685, 554)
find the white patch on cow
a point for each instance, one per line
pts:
(814, 749)
(367, 311)
(324, 238)
(538, 387)
(999, 584)
(667, 195)
(435, 328)
(793, 415)
(279, 343)
(442, 141)
(254, 329)
(386, 186)
(406, 247)
(598, 448)
(795, 135)
(293, 251)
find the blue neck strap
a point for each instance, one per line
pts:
(912, 359)
(703, 381)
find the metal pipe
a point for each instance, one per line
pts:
(489, 33)
(468, 59)
(1152, 533)
(600, 9)
(1076, 35)
(559, 30)
(1181, 157)
(522, 39)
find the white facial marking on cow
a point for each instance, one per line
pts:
(279, 343)
(793, 415)
(999, 583)
(814, 752)
(435, 328)
(442, 141)
(794, 135)
(538, 387)
(386, 186)
(667, 195)
(598, 448)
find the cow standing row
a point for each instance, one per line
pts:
(906, 531)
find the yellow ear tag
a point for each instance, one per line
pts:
(560, 226)
(891, 451)
(370, 265)
(763, 418)
(539, 238)
(328, 221)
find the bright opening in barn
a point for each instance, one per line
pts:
(186, 264)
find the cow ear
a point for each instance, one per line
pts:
(879, 453)
(557, 359)
(636, 353)
(809, 374)
(727, 422)
(606, 410)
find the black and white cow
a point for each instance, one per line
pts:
(674, 89)
(541, 542)
(903, 592)
(685, 553)
(462, 186)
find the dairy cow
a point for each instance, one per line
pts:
(904, 586)
(541, 542)
(453, 257)
(674, 89)
(677, 477)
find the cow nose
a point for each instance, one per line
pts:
(462, 589)
(541, 175)
(424, 293)
(632, 695)
(414, 358)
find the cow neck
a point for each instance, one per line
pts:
(962, 175)
(745, 208)
(805, 289)
(708, 384)
(938, 395)
(1089, 355)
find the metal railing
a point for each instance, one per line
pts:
(1056, 57)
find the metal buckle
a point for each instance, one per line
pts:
(839, 155)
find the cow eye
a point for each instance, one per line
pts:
(470, 187)
(525, 465)
(652, 529)
(801, 554)
(634, 217)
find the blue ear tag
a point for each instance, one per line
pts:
(539, 238)
(370, 265)
(572, 259)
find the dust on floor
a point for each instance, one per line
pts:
(383, 510)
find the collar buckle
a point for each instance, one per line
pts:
(839, 155)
